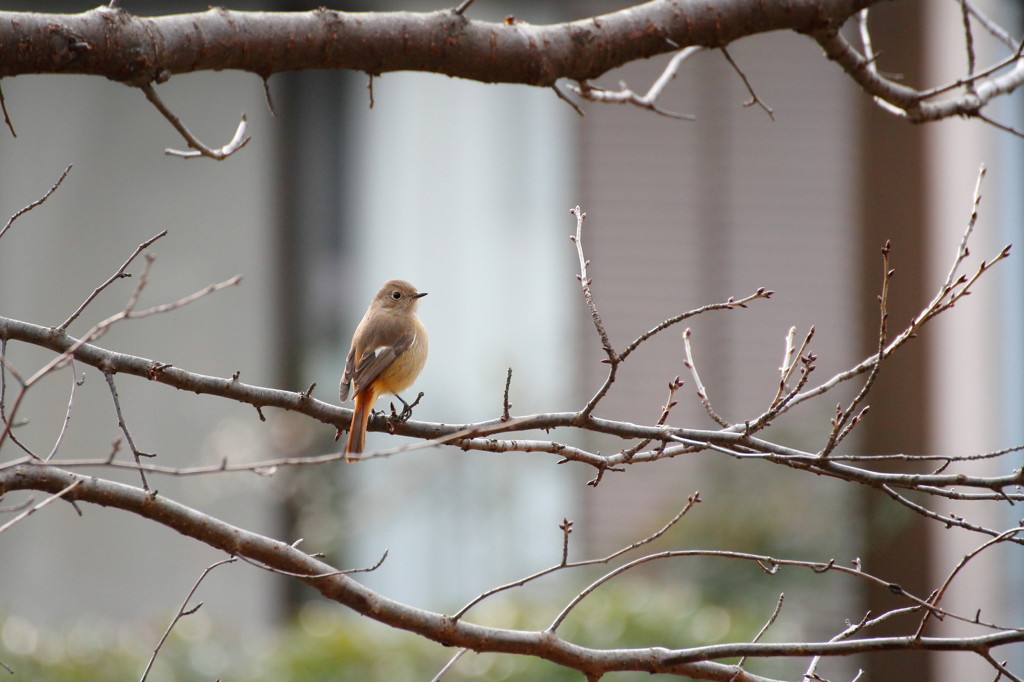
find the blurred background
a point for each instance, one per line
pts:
(465, 189)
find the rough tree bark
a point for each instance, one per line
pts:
(136, 50)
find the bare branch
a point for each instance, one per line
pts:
(141, 51)
(109, 376)
(7, 118)
(691, 501)
(993, 28)
(458, 654)
(980, 87)
(346, 591)
(506, 406)
(463, 6)
(33, 509)
(612, 358)
(442, 41)
(968, 45)
(648, 101)
(182, 612)
(754, 99)
(702, 392)
(941, 592)
(117, 275)
(764, 629)
(75, 383)
(37, 202)
(239, 140)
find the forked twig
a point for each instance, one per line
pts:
(851, 630)
(647, 101)
(117, 275)
(671, 402)
(690, 503)
(136, 453)
(239, 140)
(754, 99)
(953, 289)
(941, 592)
(182, 612)
(845, 420)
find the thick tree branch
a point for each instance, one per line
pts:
(135, 50)
(337, 586)
(674, 441)
(695, 662)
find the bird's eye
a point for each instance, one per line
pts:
(396, 295)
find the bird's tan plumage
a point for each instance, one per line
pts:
(389, 348)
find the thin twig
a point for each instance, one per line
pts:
(845, 420)
(566, 527)
(565, 98)
(865, 41)
(947, 296)
(754, 99)
(182, 612)
(33, 509)
(606, 345)
(968, 45)
(75, 383)
(239, 140)
(7, 118)
(671, 402)
(117, 275)
(767, 563)
(319, 575)
(109, 376)
(993, 28)
(37, 202)
(764, 629)
(690, 503)
(268, 97)
(962, 251)
(730, 304)
(506, 406)
(647, 101)
(940, 593)
(1000, 126)
(849, 631)
(8, 418)
(458, 654)
(702, 392)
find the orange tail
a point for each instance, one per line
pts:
(364, 401)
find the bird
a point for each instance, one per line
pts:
(389, 349)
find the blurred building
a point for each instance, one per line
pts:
(464, 189)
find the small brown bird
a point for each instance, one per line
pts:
(389, 348)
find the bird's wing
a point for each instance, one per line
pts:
(346, 377)
(376, 360)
